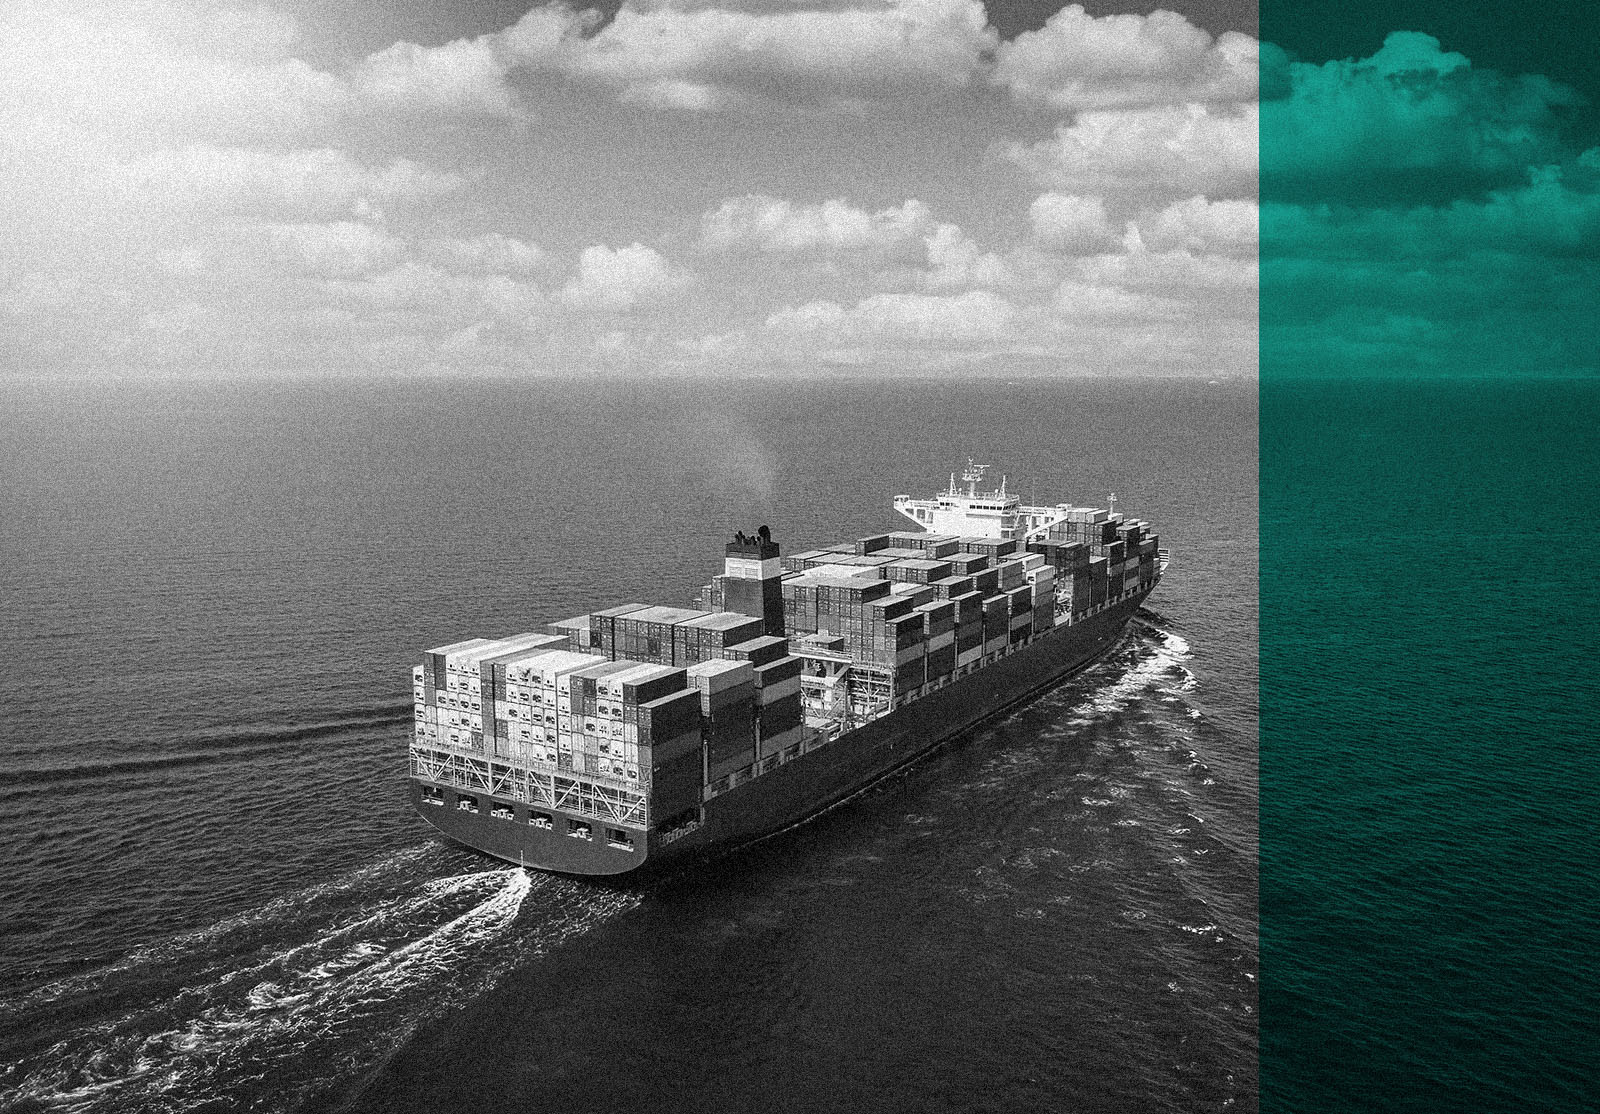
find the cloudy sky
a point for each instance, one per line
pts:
(1430, 175)
(749, 186)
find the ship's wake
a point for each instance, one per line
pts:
(274, 1004)
(1155, 661)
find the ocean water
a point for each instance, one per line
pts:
(216, 898)
(1429, 767)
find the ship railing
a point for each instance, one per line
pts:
(572, 793)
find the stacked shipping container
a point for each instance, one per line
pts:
(664, 701)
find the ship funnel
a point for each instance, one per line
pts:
(752, 579)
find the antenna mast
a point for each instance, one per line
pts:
(973, 474)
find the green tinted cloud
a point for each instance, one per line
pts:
(1421, 216)
(1411, 123)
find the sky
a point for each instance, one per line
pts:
(1430, 177)
(737, 187)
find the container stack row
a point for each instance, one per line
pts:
(534, 702)
(452, 706)
(920, 606)
(1098, 556)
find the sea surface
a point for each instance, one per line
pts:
(215, 897)
(1430, 774)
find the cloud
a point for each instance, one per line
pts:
(1076, 61)
(467, 76)
(977, 315)
(114, 73)
(1190, 275)
(265, 183)
(1412, 122)
(1176, 150)
(489, 253)
(701, 58)
(935, 255)
(1202, 226)
(1555, 213)
(955, 261)
(1073, 224)
(197, 182)
(338, 249)
(1438, 254)
(1076, 301)
(622, 278)
(769, 224)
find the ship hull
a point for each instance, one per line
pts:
(799, 789)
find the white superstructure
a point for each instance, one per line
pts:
(982, 514)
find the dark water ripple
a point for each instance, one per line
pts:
(217, 898)
(1430, 744)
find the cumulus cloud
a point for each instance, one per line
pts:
(977, 315)
(1076, 61)
(115, 72)
(467, 75)
(259, 182)
(338, 249)
(489, 253)
(1076, 300)
(1555, 213)
(770, 224)
(1201, 226)
(1425, 214)
(622, 278)
(1069, 223)
(1176, 150)
(702, 58)
(1412, 119)
(196, 176)
(936, 255)
(955, 261)
(1185, 274)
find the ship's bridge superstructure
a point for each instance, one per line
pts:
(982, 514)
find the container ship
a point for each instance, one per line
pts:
(650, 735)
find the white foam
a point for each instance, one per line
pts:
(1162, 659)
(163, 953)
(350, 991)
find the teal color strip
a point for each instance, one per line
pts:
(1430, 392)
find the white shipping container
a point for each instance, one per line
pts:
(720, 675)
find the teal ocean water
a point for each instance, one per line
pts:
(1429, 760)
